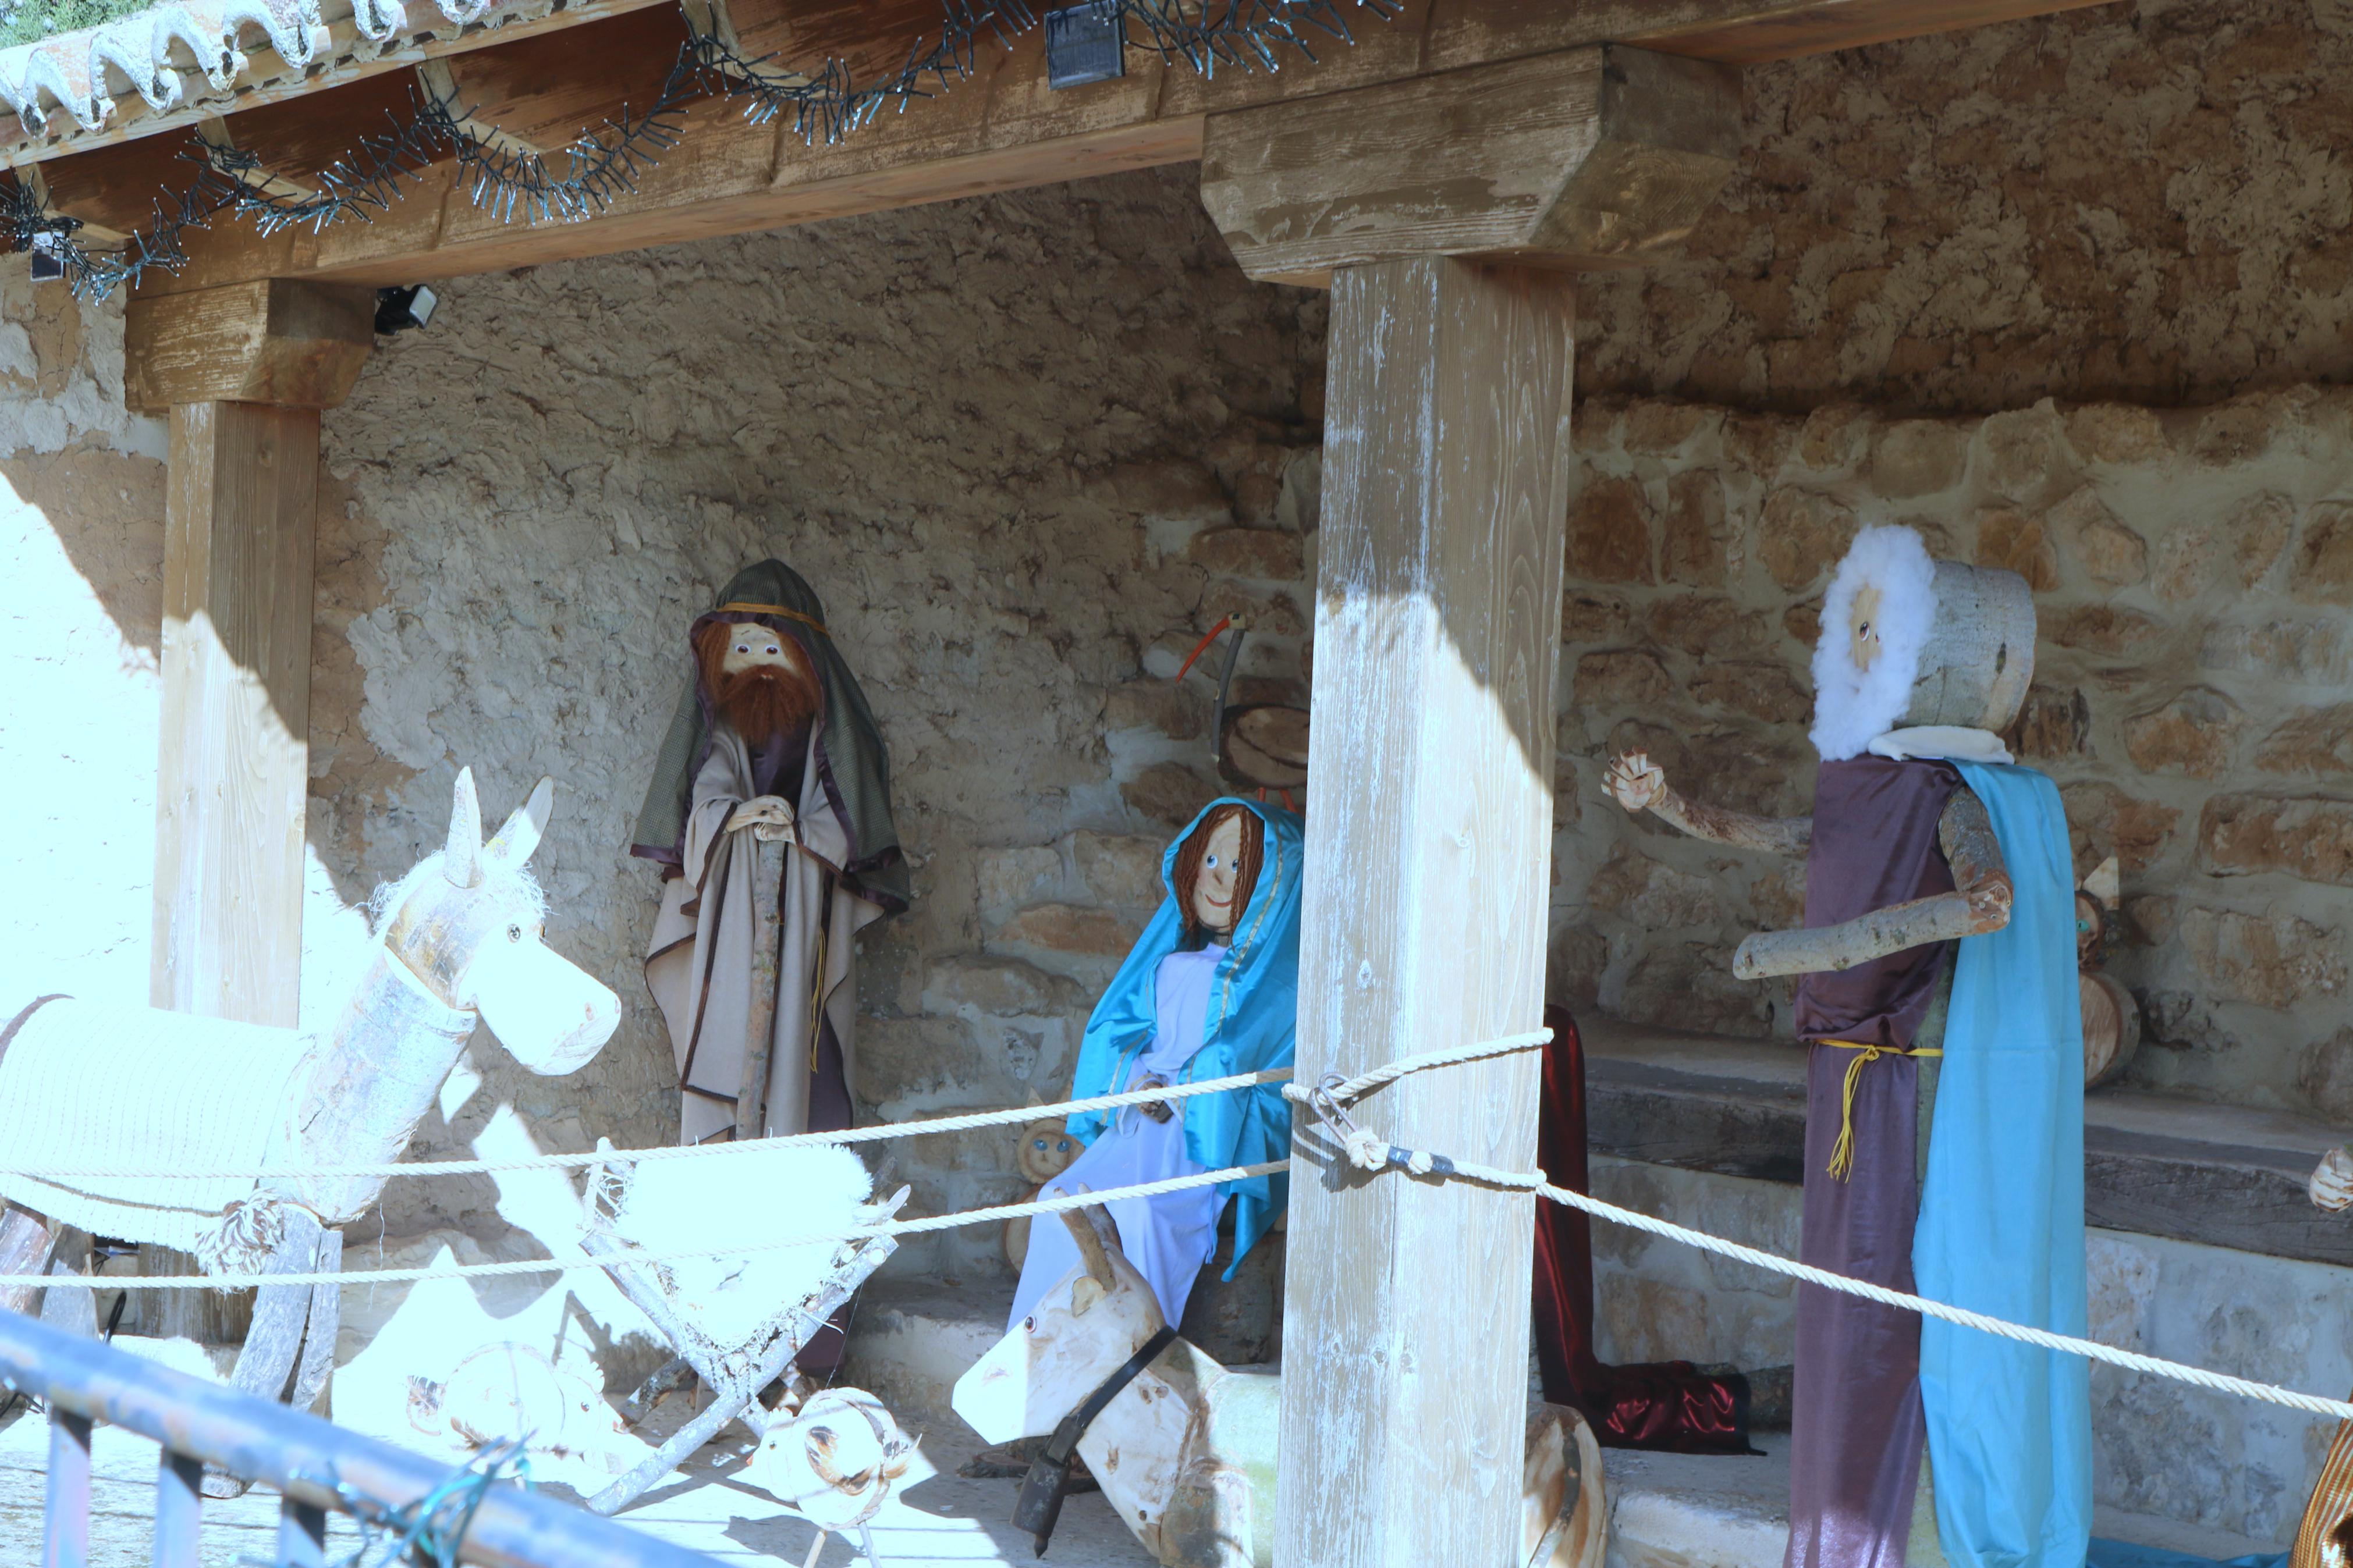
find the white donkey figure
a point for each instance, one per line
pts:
(88, 1086)
(1185, 1453)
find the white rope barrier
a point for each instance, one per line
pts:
(572, 1265)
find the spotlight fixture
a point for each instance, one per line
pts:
(48, 255)
(398, 310)
(1086, 43)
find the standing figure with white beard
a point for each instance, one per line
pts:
(772, 741)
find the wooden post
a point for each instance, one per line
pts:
(243, 372)
(1430, 205)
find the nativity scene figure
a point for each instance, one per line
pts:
(769, 813)
(1937, 987)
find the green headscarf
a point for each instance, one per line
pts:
(852, 760)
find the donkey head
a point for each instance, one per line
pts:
(467, 922)
(1080, 1332)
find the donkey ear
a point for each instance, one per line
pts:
(1093, 1250)
(520, 836)
(462, 862)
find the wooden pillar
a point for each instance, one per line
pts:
(1431, 206)
(243, 372)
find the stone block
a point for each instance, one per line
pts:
(1835, 436)
(2186, 1022)
(2115, 433)
(1654, 428)
(2024, 455)
(901, 1059)
(1653, 894)
(1269, 614)
(2105, 819)
(1801, 536)
(1759, 443)
(2102, 628)
(2272, 960)
(1708, 624)
(1763, 691)
(1017, 874)
(1260, 553)
(1610, 531)
(1176, 711)
(2323, 569)
(2185, 559)
(1804, 623)
(1005, 987)
(1170, 792)
(2019, 542)
(2053, 724)
(2111, 552)
(2243, 835)
(1622, 678)
(1068, 928)
(1748, 771)
(2238, 430)
(2325, 1077)
(1913, 457)
(1690, 985)
(1588, 616)
(2259, 532)
(2194, 733)
(1573, 966)
(1120, 870)
(1697, 544)
(2317, 741)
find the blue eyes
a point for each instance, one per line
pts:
(1210, 861)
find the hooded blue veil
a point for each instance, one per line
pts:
(1252, 1025)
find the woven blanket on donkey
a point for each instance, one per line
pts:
(86, 1086)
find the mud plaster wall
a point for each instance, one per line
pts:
(2144, 202)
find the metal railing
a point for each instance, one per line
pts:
(317, 1466)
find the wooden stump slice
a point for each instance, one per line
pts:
(2111, 1028)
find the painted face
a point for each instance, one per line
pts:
(1862, 627)
(754, 646)
(1213, 890)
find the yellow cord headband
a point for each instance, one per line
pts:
(1842, 1152)
(772, 610)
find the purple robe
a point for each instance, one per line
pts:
(1857, 1430)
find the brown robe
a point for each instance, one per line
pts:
(708, 965)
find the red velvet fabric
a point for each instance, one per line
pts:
(1670, 1406)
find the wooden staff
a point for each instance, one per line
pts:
(767, 960)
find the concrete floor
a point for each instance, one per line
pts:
(943, 1521)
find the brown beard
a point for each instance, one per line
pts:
(760, 704)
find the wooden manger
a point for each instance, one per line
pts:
(734, 1373)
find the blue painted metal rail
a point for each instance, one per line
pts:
(316, 1465)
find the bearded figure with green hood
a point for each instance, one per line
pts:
(770, 817)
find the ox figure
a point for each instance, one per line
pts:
(1186, 1451)
(86, 1085)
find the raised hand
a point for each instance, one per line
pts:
(1635, 782)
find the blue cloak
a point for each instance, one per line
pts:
(1252, 1026)
(2001, 1213)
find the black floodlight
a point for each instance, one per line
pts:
(398, 310)
(48, 255)
(1086, 43)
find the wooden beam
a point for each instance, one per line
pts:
(1002, 131)
(238, 527)
(1447, 464)
(1800, 27)
(275, 340)
(1592, 158)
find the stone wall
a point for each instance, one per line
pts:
(2145, 202)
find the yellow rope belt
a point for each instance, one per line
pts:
(733, 608)
(1842, 1152)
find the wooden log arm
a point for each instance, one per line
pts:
(1979, 903)
(1639, 785)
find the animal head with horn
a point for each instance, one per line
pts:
(468, 924)
(1099, 1314)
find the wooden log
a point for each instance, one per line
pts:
(1980, 658)
(1430, 824)
(300, 345)
(234, 773)
(1595, 158)
(768, 954)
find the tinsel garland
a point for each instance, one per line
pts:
(603, 164)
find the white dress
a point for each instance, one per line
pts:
(1169, 1237)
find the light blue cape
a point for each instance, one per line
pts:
(2001, 1213)
(1252, 1026)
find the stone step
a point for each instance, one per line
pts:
(912, 1339)
(2218, 1175)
